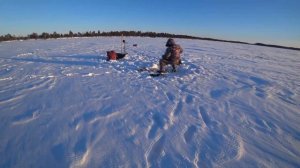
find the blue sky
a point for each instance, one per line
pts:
(267, 21)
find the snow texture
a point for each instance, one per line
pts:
(229, 105)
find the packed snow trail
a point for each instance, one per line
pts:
(229, 105)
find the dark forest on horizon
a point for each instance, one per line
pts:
(55, 35)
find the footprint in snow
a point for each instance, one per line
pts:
(204, 116)
(155, 151)
(218, 93)
(218, 149)
(189, 99)
(80, 154)
(159, 122)
(190, 133)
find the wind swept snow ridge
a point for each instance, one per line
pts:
(229, 105)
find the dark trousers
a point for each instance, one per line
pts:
(164, 62)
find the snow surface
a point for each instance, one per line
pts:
(229, 105)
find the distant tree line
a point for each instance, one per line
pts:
(44, 35)
(71, 34)
(55, 35)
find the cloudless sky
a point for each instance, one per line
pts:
(267, 21)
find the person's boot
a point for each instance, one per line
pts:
(173, 68)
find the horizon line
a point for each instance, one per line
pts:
(145, 32)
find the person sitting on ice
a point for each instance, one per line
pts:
(171, 56)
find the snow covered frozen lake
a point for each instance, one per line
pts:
(229, 105)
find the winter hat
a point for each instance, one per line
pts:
(170, 42)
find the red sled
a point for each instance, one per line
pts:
(112, 55)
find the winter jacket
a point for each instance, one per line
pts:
(172, 53)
